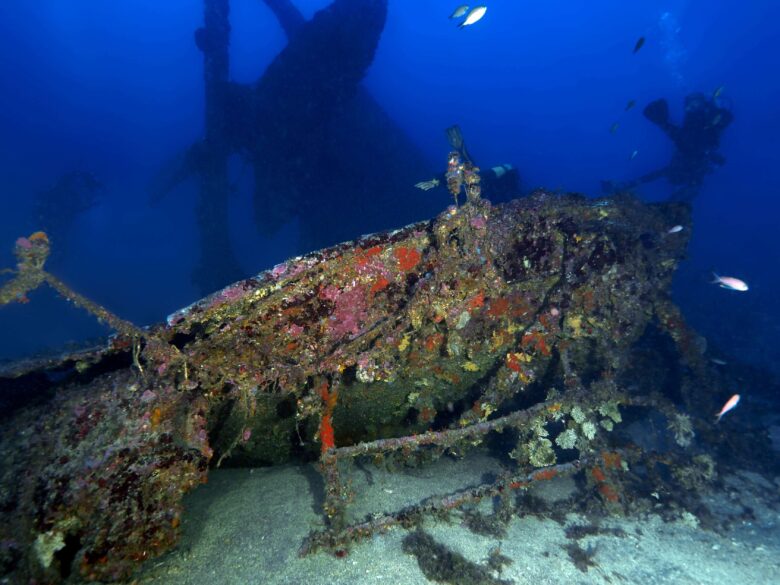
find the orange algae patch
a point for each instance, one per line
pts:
(516, 485)
(427, 414)
(292, 311)
(612, 460)
(536, 340)
(514, 362)
(498, 307)
(545, 474)
(328, 397)
(380, 284)
(407, 258)
(518, 306)
(326, 425)
(477, 300)
(587, 300)
(608, 492)
(434, 341)
(326, 433)
(363, 256)
(322, 390)
(547, 321)
(39, 236)
(156, 417)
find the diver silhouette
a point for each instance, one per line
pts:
(696, 142)
(499, 183)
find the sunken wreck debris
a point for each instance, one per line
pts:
(305, 126)
(423, 340)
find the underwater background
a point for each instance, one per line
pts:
(114, 89)
(106, 114)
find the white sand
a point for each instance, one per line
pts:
(245, 526)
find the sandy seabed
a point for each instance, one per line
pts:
(246, 526)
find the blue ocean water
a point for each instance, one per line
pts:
(116, 89)
(112, 92)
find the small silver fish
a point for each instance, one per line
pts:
(730, 404)
(718, 362)
(675, 229)
(459, 11)
(613, 128)
(475, 15)
(633, 155)
(717, 92)
(730, 283)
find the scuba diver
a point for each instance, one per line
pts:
(500, 183)
(696, 142)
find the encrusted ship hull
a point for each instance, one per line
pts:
(428, 331)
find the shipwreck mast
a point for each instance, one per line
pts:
(218, 264)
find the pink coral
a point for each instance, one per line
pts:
(278, 270)
(478, 222)
(351, 308)
(148, 396)
(330, 293)
(23, 243)
(294, 330)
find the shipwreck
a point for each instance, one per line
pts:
(516, 320)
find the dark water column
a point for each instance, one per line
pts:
(218, 265)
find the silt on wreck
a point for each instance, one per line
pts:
(520, 316)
